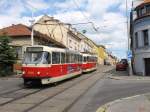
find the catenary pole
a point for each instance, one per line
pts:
(128, 36)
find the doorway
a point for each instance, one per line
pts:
(147, 66)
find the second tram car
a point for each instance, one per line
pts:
(89, 62)
(49, 64)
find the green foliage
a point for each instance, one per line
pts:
(7, 56)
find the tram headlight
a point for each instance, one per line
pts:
(38, 73)
(23, 72)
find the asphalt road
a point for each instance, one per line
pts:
(107, 90)
(10, 84)
(103, 91)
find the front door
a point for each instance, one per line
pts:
(147, 66)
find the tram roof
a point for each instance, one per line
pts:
(49, 48)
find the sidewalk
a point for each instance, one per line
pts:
(139, 103)
(123, 75)
(130, 78)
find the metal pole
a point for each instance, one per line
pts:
(127, 24)
(32, 32)
(32, 36)
(128, 36)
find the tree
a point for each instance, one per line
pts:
(7, 56)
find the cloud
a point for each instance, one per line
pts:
(16, 9)
(9, 20)
(37, 4)
(71, 17)
(108, 15)
(100, 7)
(70, 4)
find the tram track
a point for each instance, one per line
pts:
(77, 99)
(62, 88)
(61, 91)
(5, 95)
(20, 97)
(8, 92)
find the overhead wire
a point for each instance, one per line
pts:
(84, 15)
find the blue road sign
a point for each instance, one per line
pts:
(129, 54)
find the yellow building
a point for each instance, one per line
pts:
(102, 54)
(99, 53)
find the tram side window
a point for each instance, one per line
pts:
(85, 59)
(47, 58)
(80, 58)
(67, 57)
(72, 58)
(95, 59)
(63, 58)
(55, 58)
(76, 58)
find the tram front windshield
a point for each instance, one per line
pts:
(36, 58)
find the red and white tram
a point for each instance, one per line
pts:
(89, 62)
(49, 64)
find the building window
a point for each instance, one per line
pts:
(18, 50)
(143, 11)
(145, 36)
(148, 9)
(136, 40)
(70, 41)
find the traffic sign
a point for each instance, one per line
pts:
(130, 54)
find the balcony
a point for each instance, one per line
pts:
(141, 11)
(142, 16)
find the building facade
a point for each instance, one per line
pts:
(102, 54)
(140, 38)
(51, 32)
(85, 46)
(60, 32)
(21, 37)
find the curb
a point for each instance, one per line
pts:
(104, 107)
(136, 78)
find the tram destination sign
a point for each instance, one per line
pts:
(34, 49)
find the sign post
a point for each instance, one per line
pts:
(129, 60)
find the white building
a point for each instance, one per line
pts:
(58, 31)
(140, 39)
(85, 45)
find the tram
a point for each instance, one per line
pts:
(49, 64)
(89, 62)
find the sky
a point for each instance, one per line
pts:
(108, 16)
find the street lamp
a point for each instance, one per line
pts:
(31, 21)
(32, 26)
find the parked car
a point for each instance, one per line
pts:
(122, 65)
